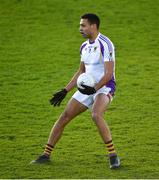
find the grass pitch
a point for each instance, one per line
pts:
(39, 53)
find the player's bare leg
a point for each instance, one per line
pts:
(72, 109)
(100, 105)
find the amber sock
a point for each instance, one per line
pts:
(48, 149)
(110, 148)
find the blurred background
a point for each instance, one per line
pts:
(39, 53)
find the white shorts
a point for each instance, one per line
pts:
(88, 100)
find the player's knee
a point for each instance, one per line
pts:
(64, 119)
(96, 116)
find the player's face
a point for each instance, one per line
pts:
(85, 28)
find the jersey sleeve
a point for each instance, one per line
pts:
(107, 50)
(81, 48)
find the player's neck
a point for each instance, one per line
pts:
(93, 37)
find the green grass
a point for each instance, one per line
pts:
(34, 63)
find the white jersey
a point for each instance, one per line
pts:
(94, 54)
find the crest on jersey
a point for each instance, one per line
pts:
(111, 55)
(95, 48)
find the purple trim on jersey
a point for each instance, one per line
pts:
(110, 47)
(82, 47)
(101, 47)
(91, 42)
(112, 84)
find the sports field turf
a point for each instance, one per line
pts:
(39, 53)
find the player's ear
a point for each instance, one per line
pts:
(93, 26)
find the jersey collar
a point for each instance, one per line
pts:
(92, 42)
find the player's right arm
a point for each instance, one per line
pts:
(73, 81)
(60, 95)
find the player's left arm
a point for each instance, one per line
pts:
(108, 73)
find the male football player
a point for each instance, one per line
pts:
(97, 58)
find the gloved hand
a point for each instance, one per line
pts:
(58, 97)
(87, 90)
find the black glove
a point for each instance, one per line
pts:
(87, 90)
(58, 97)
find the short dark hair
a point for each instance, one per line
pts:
(92, 18)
